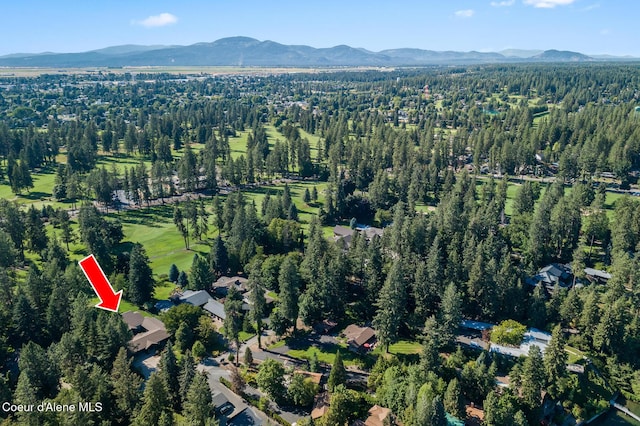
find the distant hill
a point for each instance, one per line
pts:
(561, 56)
(246, 51)
(519, 53)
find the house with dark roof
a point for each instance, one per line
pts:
(215, 308)
(133, 320)
(597, 276)
(359, 338)
(150, 332)
(195, 298)
(223, 284)
(552, 276)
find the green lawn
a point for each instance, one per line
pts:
(163, 290)
(327, 354)
(405, 347)
(126, 306)
(244, 336)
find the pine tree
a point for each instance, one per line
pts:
(219, 257)
(533, 378)
(306, 198)
(338, 374)
(201, 277)
(453, 401)
(173, 273)
(198, 406)
(233, 319)
(126, 386)
(141, 281)
(439, 417)
(555, 358)
(37, 239)
(289, 282)
(155, 402)
(391, 306)
(187, 373)
(183, 280)
(248, 357)
(450, 313)
(169, 372)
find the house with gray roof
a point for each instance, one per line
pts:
(215, 308)
(195, 298)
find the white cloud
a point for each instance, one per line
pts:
(548, 4)
(466, 13)
(591, 7)
(160, 20)
(503, 3)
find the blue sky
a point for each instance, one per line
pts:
(587, 26)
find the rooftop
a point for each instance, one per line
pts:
(195, 298)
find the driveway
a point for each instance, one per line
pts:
(146, 364)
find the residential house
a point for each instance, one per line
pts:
(551, 276)
(195, 298)
(320, 405)
(215, 308)
(597, 276)
(150, 333)
(325, 326)
(377, 416)
(359, 338)
(223, 284)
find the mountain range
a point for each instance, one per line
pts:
(245, 51)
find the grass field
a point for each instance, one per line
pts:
(153, 227)
(327, 354)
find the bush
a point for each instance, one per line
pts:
(508, 332)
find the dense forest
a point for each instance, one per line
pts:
(477, 177)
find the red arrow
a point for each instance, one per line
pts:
(109, 300)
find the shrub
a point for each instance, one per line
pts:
(508, 332)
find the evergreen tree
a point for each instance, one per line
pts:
(183, 280)
(450, 313)
(338, 374)
(391, 306)
(173, 273)
(555, 358)
(187, 373)
(184, 337)
(155, 402)
(453, 401)
(125, 384)
(289, 282)
(169, 372)
(233, 319)
(141, 281)
(201, 277)
(37, 239)
(533, 378)
(219, 257)
(198, 405)
(248, 357)
(438, 415)
(181, 224)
